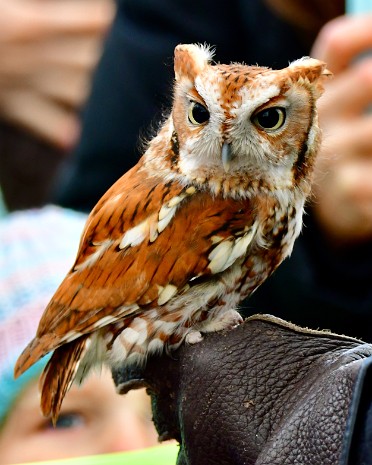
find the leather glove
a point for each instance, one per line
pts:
(264, 393)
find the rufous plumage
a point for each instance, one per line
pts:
(207, 214)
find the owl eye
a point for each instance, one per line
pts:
(198, 114)
(270, 119)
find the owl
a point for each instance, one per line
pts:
(210, 210)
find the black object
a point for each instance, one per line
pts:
(265, 393)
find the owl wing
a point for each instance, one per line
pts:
(143, 243)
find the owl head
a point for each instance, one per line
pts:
(238, 120)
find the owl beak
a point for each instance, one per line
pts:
(226, 156)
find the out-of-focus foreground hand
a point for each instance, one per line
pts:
(48, 49)
(343, 185)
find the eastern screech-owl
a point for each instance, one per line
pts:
(206, 215)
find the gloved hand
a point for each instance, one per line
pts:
(265, 393)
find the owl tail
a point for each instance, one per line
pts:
(59, 374)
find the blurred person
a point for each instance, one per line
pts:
(326, 282)
(37, 248)
(345, 166)
(48, 49)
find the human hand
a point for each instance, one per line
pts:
(262, 393)
(343, 183)
(48, 49)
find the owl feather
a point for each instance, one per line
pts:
(207, 214)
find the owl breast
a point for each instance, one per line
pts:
(238, 261)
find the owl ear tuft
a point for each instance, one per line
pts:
(310, 70)
(190, 60)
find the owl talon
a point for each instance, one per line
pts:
(127, 378)
(125, 387)
(194, 337)
(229, 320)
(232, 319)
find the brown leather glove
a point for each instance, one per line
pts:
(265, 393)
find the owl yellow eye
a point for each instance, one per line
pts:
(198, 114)
(270, 119)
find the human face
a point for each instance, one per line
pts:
(93, 420)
